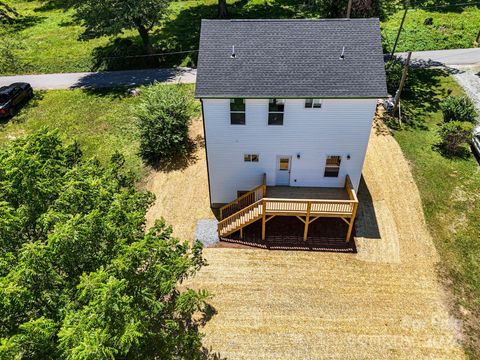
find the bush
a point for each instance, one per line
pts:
(454, 135)
(163, 119)
(458, 108)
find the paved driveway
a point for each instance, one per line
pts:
(103, 79)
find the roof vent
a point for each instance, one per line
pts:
(233, 56)
(342, 57)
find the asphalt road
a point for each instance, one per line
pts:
(447, 57)
(103, 79)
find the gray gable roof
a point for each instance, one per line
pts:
(291, 58)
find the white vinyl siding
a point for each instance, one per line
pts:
(341, 127)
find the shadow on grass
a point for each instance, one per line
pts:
(24, 22)
(422, 94)
(462, 153)
(49, 5)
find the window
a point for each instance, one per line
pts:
(313, 103)
(275, 111)
(332, 166)
(284, 164)
(237, 111)
(250, 158)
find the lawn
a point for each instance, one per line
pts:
(449, 30)
(450, 198)
(51, 38)
(102, 122)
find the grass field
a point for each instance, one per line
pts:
(102, 122)
(451, 200)
(449, 30)
(51, 38)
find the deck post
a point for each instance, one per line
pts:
(264, 210)
(307, 221)
(352, 220)
(241, 233)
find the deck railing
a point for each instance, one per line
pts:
(254, 206)
(245, 200)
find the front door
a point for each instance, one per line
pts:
(283, 170)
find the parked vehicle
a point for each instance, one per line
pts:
(476, 140)
(12, 97)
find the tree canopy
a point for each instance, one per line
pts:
(80, 278)
(113, 17)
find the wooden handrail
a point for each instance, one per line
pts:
(247, 198)
(249, 207)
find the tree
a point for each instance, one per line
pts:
(163, 116)
(222, 9)
(79, 277)
(113, 17)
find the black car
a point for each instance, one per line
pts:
(12, 97)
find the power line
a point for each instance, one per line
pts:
(125, 56)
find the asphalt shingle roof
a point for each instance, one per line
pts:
(291, 58)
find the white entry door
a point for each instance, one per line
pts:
(283, 170)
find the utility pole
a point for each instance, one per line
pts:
(402, 83)
(349, 8)
(400, 29)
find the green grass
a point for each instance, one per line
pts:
(449, 188)
(102, 122)
(449, 30)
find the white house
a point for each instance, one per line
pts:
(291, 102)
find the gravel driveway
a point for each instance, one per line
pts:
(469, 80)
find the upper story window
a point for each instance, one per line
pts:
(237, 111)
(332, 166)
(313, 103)
(275, 111)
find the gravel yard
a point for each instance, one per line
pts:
(469, 80)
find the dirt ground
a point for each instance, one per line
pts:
(182, 194)
(383, 302)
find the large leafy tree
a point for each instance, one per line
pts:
(113, 17)
(79, 276)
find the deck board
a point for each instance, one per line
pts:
(297, 192)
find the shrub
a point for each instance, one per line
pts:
(454, 135)
(459, 108)
(163, 119)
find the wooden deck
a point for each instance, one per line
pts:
(305, 203)
(290, 192)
